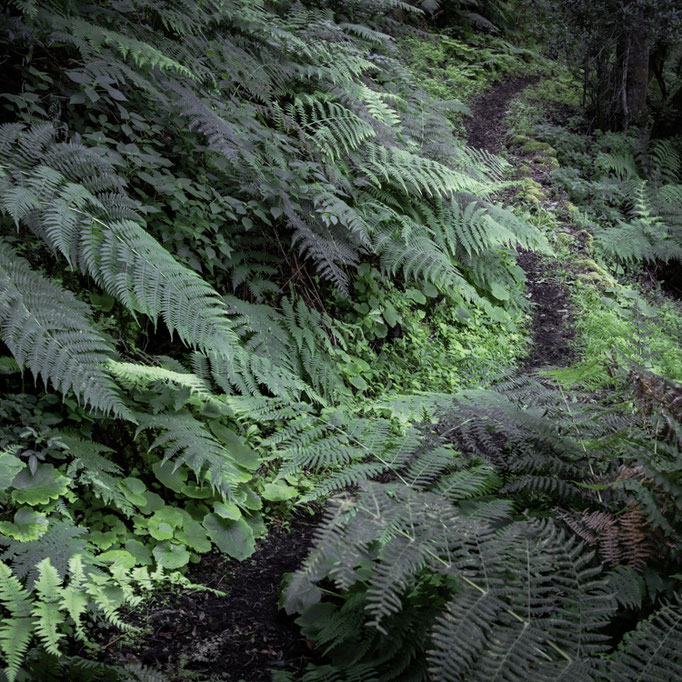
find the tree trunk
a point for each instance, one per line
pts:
(657, 61)
(637, 77)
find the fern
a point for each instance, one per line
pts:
(187, 441)
(328, 128)
(546, 623)
(46, 608)
(61, 541)
(56, 606)
(288, 351)
(200, 148)
(141, 54)
(133, 376)
(49, 331)
(635, 194)
(86, 229)
(527, 600)
(652, 651)
(16, 631)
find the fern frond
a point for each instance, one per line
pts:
(187, 441)
(652, 651)
(413, 173)
(46, 609)
(131, 376)
(62, 541)
(623, 164)
(15, 637)
(141, 54)
(118, 253)
(49, 331)
(74, 599)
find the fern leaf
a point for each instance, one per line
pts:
(74, 599)
(652, 652)
(75, 217)
(46, 609)
(15, 637)
(17, 630)
(49, 331)
(187, 441)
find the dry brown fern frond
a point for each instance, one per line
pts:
(627, 538)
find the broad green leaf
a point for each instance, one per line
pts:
(160, 530)
(231, 537)
(154, 502)
(46, 484)
(391, 315)
(174, 479)
(140, 551)
(415, 295)
(163, 522)
(103, 539)
(499, 291)
(278, 492)
(227, 510)
(120, 557)
(239, 451)
(172, 556)
(134, 489)
(252, 501)
(10, 466)
(194, 536)
(170, 515)
(134, 485)
(358, 382)
(430, 290)
(28, 525)
(102, 301)
(256, 524)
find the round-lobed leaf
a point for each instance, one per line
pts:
(231, 537)
(46, 484)
(170, 555)
(28, 525)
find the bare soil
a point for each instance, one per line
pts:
(486, 128)
(552, 328)
(239, 636)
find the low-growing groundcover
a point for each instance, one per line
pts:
(256, 293)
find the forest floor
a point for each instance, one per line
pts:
(552, 328)
(241, 635)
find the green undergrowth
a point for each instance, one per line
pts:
(557, 95)
(613, 321)
(229, 233)
(573, 475)
(244, 261)
(405, 340)
(450, 68)
(625, 189)
(619, 322)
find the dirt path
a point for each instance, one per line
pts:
(552, 328)
(239, 636)
(486, 127)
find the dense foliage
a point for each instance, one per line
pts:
(245, 263)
